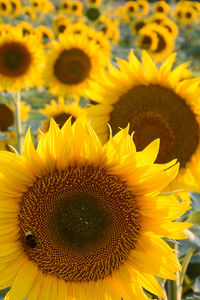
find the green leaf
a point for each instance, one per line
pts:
(194, 217)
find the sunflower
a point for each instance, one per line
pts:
(138, 24)
(131, 8)
(37, 5)
(158, 18)
(148, 40)
(5, 28)
(156, 104)
(161, 7)
(15, 8)
(80, 220)
(5, 7)
(21, 58)
(94, 2)
(60, 111)
(143, 7)
(26, 28)
(27, 10)
(72, 63)
(76, 8)
(45, 34)
(170, 26)
(65, 6)
(102, 42)
(7, 119)
(189, 15)
(165, 43)
(93, 13)
(60, 24)
(79, 28)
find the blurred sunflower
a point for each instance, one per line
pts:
(27, 10)
(83, 220)
(131, 8)
(5, 7)
(45, 34)
(189, 15)
(16, 6)
(161, 7)
(60, 24)
(138, 24)
(94, 2)
(61, 111)
(165, 43)
(21, 58)
(143, 8)
(93, 13)
(148, 40)
(5, 28)
(170, 26)
(7, 119)
(76, 8)
(65, 6)
(155, 104)
(158, 18)
(36, 5)
(26, 28)
(72, 63)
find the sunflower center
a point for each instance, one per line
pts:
(161, 43)
(160, 9)
(188, 15)
(3, 6)
(79, 221)
(61, 28)
(62, 118)
(93, 13)
(6, 117)
(146, 41)
(79, 224)
(157, 112)
(14, 59)
(139, 26)
(72, 66)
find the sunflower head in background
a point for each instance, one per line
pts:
(94, 3)
(161, 7)
(143, 8)
(7, 119)
(60, 24)
(186, 14)
(61, 111)
(26, 28)
(86, 220)
(131, 9)
(170, 26)
(5, 7)
(156, 104)
(45, 34)
(76, 8)
(137, 25)
(65, 6)
(148, 40)
(72, 62)
(21, 57)
(16, 6)
(165, 44)
(28, 12)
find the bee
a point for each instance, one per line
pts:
(30, 240)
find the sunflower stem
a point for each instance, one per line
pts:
(181, 275)
(19, 131)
